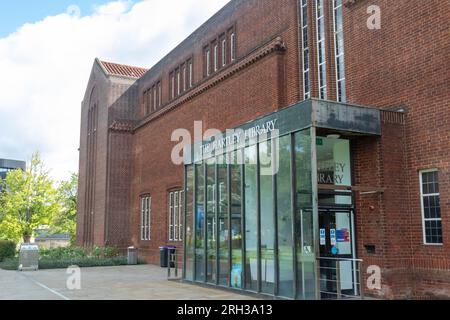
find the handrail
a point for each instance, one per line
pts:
(339, 259)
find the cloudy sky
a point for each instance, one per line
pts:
(47, 49)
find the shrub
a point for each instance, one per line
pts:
(86, 262)
(7, 249)
(10, 264)
(63, 253)
(105, 252)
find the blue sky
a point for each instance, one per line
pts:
(47, 52)
(15, 13)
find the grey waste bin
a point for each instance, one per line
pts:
(132, 257)
(28, 257)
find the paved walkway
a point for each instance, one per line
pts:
(144, 282)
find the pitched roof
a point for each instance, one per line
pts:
(123, 70)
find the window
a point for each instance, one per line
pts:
(207, 61)
(233, 46)
(305, 48)
(178, 82)
(146, 202)
(172, 85)
(184, 77)
(224, 52)
(431, 208)
(176, 204)
(159, 94)
(216, 57)
(155, 98)
(191, 82)
(146, 102)
(180, 78)
(339, 50)
(322, 64)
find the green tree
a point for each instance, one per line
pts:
(28, 201)
(65, 220)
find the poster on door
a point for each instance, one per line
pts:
(343, 235)
(322, 237)
(333, 237)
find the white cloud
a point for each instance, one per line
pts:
(45, 68)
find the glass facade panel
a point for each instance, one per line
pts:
(251, 206)
(236, 226)
(224, 252)
(284, 219)
(304, 236)
(211, 223)
(267, 218)
(189, 240)
(256, 223)
(200, 223)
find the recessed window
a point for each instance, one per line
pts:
(233, 46)
(224, 52)
(146, 202)
(190, 74)
(431, 208)
(339, 50)
(159, 94)
(304, 29)
(207, 62)
(176, 204)
(216, 57)
(178, 82)
(321, 55)
(155, 98)
(172, 85)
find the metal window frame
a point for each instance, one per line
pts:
(171, 234)
(321, 42)
(304, 27)
(424, 220)
(233, 46)
(341, 54)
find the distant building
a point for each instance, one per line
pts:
(46, 240)
(7, 165)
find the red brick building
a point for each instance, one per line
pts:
(358, 90)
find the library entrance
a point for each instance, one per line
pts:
(269, 205)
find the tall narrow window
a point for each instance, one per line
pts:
(305, 48)
(431, 208)
(172, 85)
(190, 75)
(178, 82)
(184, 77)
(159, 94)
(321, 55)
(216, 57)
(233, 46)
(224, 52)
(207, 62)
(155, 98)
(176, 202)
(146, 202)
(339, 50)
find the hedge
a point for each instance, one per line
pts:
(7, 249)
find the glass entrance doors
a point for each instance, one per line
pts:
(338, 269)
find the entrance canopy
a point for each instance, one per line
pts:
(328, 116)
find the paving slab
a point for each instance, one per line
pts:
(143, 282)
